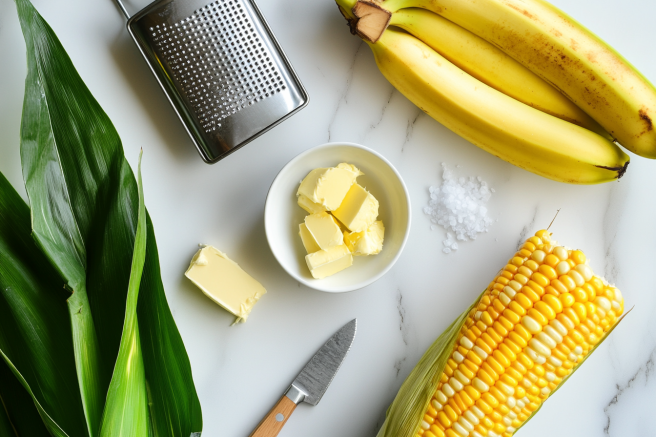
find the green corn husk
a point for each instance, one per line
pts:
(404, 415)
(88, 344)
(407, 409)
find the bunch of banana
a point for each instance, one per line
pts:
(518, 78)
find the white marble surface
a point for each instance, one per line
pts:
(241, 371)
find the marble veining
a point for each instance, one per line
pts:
(241, 371)
(343, 98)
(403, 329)
(410, 128)
(640, 377)
(527, 230)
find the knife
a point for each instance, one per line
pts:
(311, 384)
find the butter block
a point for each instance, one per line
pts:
(324, 229)
(223, 281)
(308, 205)
(328, 262)
(328, 186)
(358, 210)
(367, 242)
(309, 242)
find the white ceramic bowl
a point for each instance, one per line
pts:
(282, 215)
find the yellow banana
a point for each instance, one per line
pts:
(564, 53)
(491, 65)
(499, 124)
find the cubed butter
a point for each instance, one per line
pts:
(359, 209)
(308, 205)
(367, 242)
(223, 281)
(324, 229)
(328, 262)
(328, 186)
(309, 242)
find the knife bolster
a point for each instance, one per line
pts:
(296, 393)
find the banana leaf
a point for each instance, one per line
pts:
(84, 217)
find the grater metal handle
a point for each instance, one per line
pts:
(122, 7)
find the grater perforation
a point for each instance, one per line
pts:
(213, 77)
(221, 68)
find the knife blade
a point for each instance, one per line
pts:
(311, 383)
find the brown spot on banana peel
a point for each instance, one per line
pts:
(620, 170)
(647, 119)
(521, 11)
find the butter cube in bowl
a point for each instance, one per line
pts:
(337, 217)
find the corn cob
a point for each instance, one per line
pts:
(535, 323)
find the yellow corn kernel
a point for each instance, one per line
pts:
(443, 419)
(578, 257)
(568, 282)
(539, 278)
(529, 246)
(551, 260)
(522, 300)
(517, 261)
(559, 286)
(554, 303)
(531, 265)
(543, 235)
(581, 311)
(483, 406)
(524, 253)
(535, 240)
(512, 316)
(548, 271)
(567, 300)
(531, 294)
(590, 291)
(472, 393)
(538, 316)
(520, 277)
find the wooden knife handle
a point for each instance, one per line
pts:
(271, 425)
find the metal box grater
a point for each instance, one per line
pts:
(221, 68)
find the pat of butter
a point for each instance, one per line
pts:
(308, 205)
(309, 242)
(328, 186)
(358, 210)
(223, 281)
(328, 262)
(367, 242)
(324, 229)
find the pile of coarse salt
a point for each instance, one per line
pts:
(459, 205)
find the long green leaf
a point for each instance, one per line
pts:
(20, 411)
(126, 410)
(55, 225)
(50, 424)
(35, 338)
(85, 203)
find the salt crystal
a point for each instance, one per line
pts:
(459, 205)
